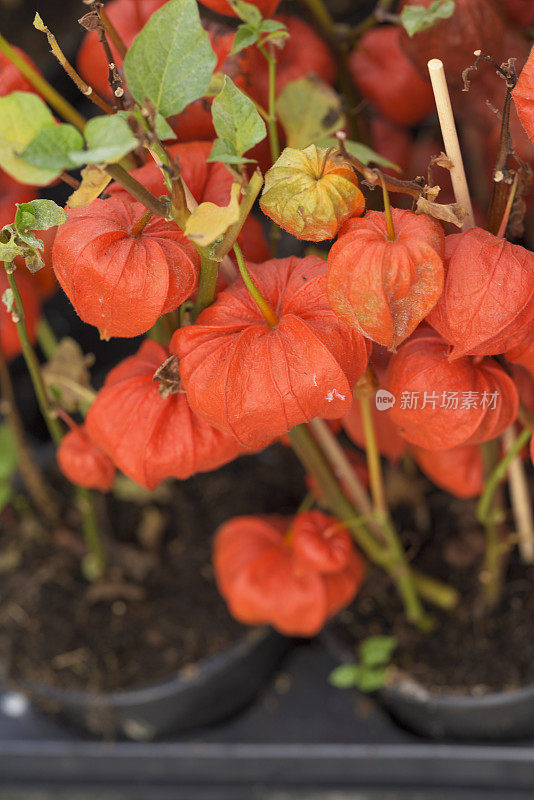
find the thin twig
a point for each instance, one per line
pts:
(520, 500)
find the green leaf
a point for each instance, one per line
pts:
(419, 18)
(39, 215)
(309, 109)
(236, 120)
(10, 247)
(371, 679)
(8, 453)
(244, 37)
(6, 493)
(376, 651)
(22, 116)
(345, 676)
(360, 151)
(108, 139)
(224, 151)
(171, 60)
(247, 12)
(8, 298)
(54, 146)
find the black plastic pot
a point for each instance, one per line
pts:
(205, 693)
(495, 716)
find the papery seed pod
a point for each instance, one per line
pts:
(459, 471)
(523, 354)
(208, 182)
(257, 382)
(11, 80)
(311, 192)
(383, 287)
(487, 305)
(387, 78)
(520, 11)
(441, 404)
(523, 95)
(119, 279)
(83, 463)
(9, 337)
(291, 575)
(149, 436)
(474, 25)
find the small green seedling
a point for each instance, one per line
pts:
(369, 674)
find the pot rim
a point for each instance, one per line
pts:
(206, 668)
(408, 688)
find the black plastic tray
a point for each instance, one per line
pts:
(301, 734)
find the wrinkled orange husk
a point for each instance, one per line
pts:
(459, 471)
(150, 437)
(385, 288)
(487, 305)
(523, 95)
(421, 366)
(291, 579)
(258, 382)
(83, 463)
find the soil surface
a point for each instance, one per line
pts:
(158, 611)
(470, 650)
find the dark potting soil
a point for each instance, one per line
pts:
(470, 650)
(158, 610)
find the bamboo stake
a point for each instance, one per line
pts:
(450, 139)
(520, 499)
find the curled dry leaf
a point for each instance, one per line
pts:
(150, 437)
(446, 212)
(292, 575)
(523, 94)
(459, 471)
(442, 404)
(258, 382)
(487, 305)
(310, 193)
(68, 369)
(94, 181)
(385, 288)
(83, 463)
(209, 221)
(119, 280)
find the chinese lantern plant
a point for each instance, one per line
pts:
(242, 347)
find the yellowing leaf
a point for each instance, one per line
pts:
(94, 181)
(22, 116)
(208, 222)
(309, 109)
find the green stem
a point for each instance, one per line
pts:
(498, 475)
(90, 524)
(137, 190)
(209, 269)
(46, 338)
(31, 359)
(270, 315)
(271, 119)
(387, 211)
(52, 97)
(403, 575)
(96, 558)
(490, 514)
(390, 557)
(374, 465)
